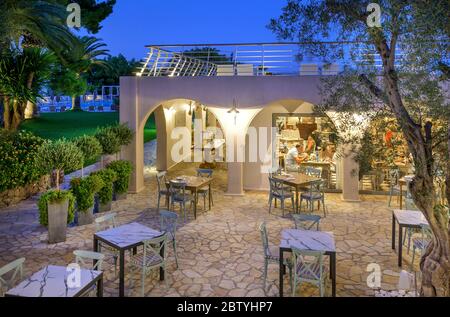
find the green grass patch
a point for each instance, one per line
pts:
(69, 125)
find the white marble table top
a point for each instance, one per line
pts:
(308, 240)
(54, 281)
(128, 235)
(410, 217)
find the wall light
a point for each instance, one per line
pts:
(234, 110)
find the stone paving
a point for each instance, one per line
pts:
(220, 253)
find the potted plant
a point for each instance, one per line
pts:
(105, 194)
(123, 170)
(84, 190)
(91, 149)
(56, 211)
(109, 141)
(55, 206)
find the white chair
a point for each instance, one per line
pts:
(151, 258)
(309, 69)
(15, 270)
(85, 259)
(245, 70)
(105, 223)
(225, 70)
(330, 69)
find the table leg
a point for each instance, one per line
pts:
(95, 249)
(333, 274)
(122, 274)
(281, 273)
(161, 270)
(209, 196)
(401, 196)
(296, 200)
(393, 231)
(400, 245)
(195, 203)
(100, 287)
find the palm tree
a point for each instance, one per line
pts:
(22, 73)
(81, 58)
(34, 23)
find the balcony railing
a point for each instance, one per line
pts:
(249, 59)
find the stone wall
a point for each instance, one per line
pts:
(14, 196)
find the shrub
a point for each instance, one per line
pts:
(84, 190)
(89, 146)
(123, 133)
(59, 156)
(18, 166)
(123, 170)
(108, 140)
(108, 176)
(55, 196)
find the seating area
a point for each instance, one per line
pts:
(232, 249)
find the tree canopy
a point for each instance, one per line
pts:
(411, 44)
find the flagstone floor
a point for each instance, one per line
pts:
(220, 253)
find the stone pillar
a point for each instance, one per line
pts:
(235, 179)
(129, 113)
(350, 172)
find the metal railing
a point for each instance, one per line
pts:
(249, 59)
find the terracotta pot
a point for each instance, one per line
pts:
(86, 218)
(57, 222)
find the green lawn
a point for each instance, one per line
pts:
(70, 125)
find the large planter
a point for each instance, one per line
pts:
(104, 207)
(86, 217)
(120, 196)
(57, 222)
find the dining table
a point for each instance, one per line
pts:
(194, 184)
(59, 281)
(298, 181)
(124, 238)
(308, 240)
(406, 219)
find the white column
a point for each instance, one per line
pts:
(130, 115)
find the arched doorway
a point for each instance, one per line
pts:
(165, 128)
(290, 122)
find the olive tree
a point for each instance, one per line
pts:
(410, 89)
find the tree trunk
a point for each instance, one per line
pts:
(76, 103)
(6, 113)
(17, 116)
(435, 265)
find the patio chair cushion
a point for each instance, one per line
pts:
(150, 260)
(180, 197)
(164, 191)
(285, 195)
(203, 190)
(311, 196)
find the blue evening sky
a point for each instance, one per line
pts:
(136, 23)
